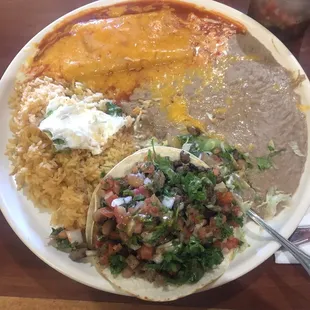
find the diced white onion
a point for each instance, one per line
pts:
(160, 250)
(221, 187)
(186, 146)
(168, 202)
(91, 253)
(121, 201)
(147, 181)
(108, 195)
(75, 236)
(139, 204)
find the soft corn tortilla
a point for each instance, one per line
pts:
(139, 287)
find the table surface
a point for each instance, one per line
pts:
(23, 275)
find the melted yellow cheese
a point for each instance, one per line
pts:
(116, 55)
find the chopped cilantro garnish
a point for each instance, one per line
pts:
(59, 141)
(187, 263)
(128, 192)
(237, 219)
(56, 231)
(159, 232)
(194, 187)
(113, 109)
(138, 197)
(64, 244)
(117, 264)
(225, 229)
(264, 163)
(134, 241)
(102, 174)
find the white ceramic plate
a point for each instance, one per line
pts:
(32, 226)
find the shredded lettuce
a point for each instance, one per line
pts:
(239, 234)
(295, 148)
(235, 182)
(273, 199)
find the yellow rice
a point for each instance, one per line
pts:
(61, 182)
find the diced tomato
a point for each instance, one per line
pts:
(114, 235)
(216, 158)
(107, 194)
(236, 210)
(121, 215)
(217, 244)
(231, 243)
(98, 244)
(180, 223)
(148, 168)
(146, 252)
(151, 206)
(212, 222)
(114, 248)
(224, 198)
(233, 224)
(132, 210)
(116, 187)
(154, 211)
(107, 183)
(104, 260)
(109, 197)
(155, 201)
(107, 212)
(142, 191)
(193, 215)
(204, 232)
(135, 170)
(226, 209)
(186, 232)
(138, 228)
(216, 171)
(148, 208)
(123, 236)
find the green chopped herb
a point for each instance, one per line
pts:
(50, 112)
(113, 109)
(187, 263)
(101, 238)
(128, 192)
(160, 231)
(48, 133)
(117, 264)
(225, 229)
(264, 163)
(102, 174)
(59, 141)
(237, 219)
(65, 245)
(138, 197)
(271, 146)
(194, 187)
(134, 240)
(56, 231)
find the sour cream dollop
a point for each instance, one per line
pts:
(80, 125)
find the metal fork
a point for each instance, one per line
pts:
(300, 256)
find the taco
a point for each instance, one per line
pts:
(163, 223)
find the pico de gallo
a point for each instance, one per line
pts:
(166, 221)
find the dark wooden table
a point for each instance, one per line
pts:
(22, 274)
